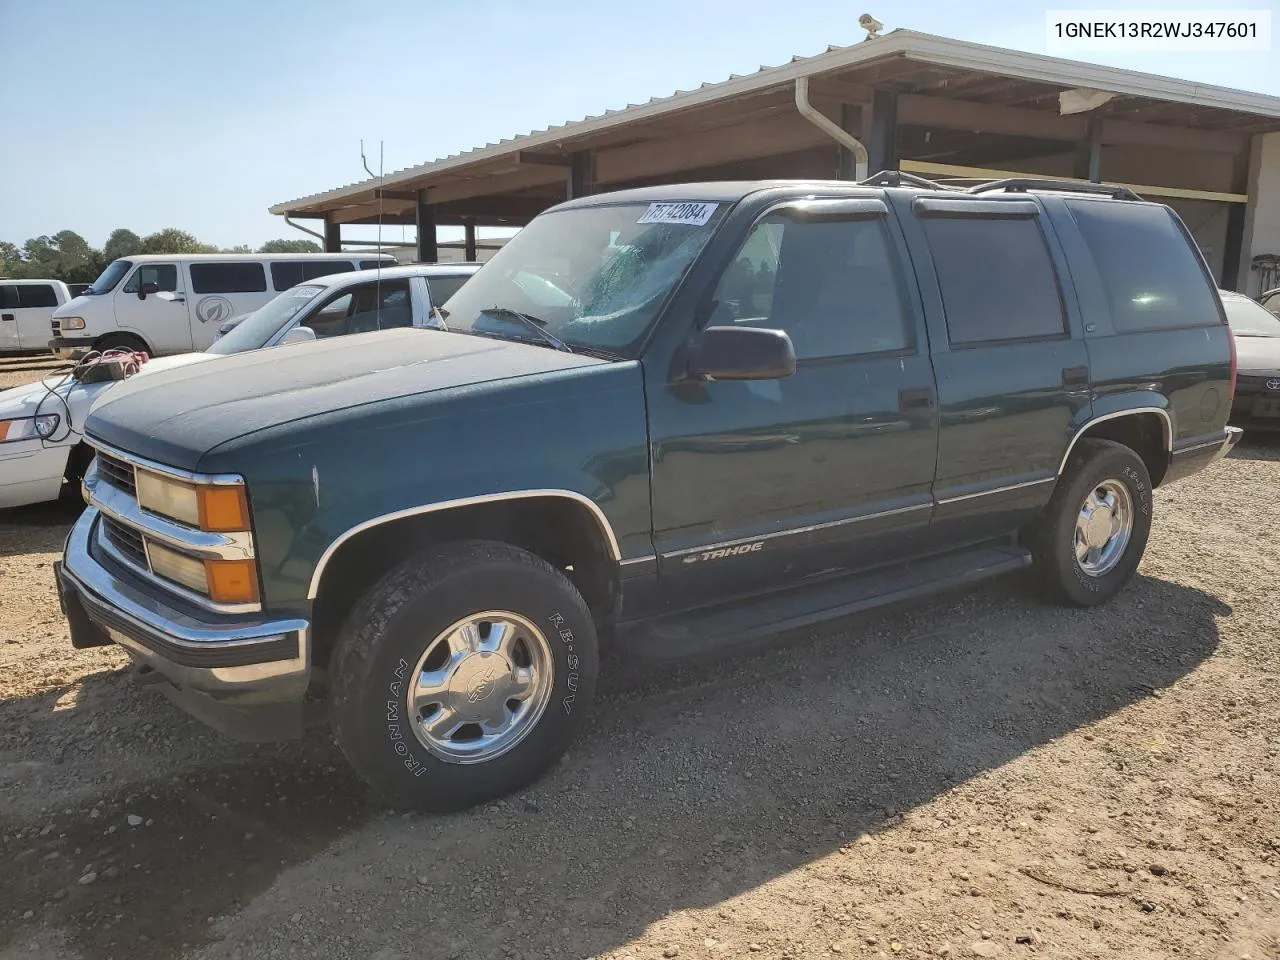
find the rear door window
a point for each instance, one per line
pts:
(1152, 278)
(997, 279)
(37, 295)
(8, 297)
(247, 277)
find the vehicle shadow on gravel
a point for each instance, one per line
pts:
(693, 784)
(1257, 446)
(39, 528)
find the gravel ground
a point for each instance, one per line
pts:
(981, 775)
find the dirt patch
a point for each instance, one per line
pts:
(980, 776)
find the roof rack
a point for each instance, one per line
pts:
(896, 178)
(1023, 184)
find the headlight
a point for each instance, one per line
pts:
(216, 508)
(70, 323)
(223, 581)
(27, 428)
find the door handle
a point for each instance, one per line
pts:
(178, 300)
(1075, 376)
(914, 399)
(6, 316)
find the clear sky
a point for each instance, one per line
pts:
(147, 114)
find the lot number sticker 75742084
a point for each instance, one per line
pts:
(693, 214)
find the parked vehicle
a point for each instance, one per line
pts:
(1271, 300)
(52, 457)
(1256, 405)
(682, 415)
(25, 309)
(365, 300)
(175, 303)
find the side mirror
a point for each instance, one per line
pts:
(147, 288)
(298, 335)
(741, 353)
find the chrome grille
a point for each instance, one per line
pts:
(117, 473)
(127, 540)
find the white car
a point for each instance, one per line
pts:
(42, 455)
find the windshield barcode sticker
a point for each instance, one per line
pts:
(691, 214)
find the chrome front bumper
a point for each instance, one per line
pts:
(246, 677)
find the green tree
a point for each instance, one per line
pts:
(238, 248)
(290, 246)
(121, 243)
(73, 249)
(10, 259)
(173, 240)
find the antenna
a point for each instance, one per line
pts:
(381, 177)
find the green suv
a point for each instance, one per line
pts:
(676, 417)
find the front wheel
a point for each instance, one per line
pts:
(1091, 537)
(462, 675)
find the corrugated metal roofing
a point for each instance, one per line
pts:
(925, 48)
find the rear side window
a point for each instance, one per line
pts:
(228, 278)
(442, 288)
(290, 273)
(163, 275)
(1152, 278)
(997, 280)
(374, 264)
(37, 295)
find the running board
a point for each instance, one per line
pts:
(703, 631)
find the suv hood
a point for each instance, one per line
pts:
(176, 416)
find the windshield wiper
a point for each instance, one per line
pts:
(440, 314)
(533, 323)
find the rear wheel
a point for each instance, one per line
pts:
(1092, 535)
(462, 675)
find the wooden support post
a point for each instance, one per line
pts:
(332, 236)
(1088, 163)
(582, 175)
(1236, 252)
(427, 249)
(850, 122)
(470, 228)
(882, 136)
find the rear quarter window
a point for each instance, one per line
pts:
(228, 278)
(1151, 276)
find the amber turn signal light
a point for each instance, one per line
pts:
(223, 509)
(232, 581)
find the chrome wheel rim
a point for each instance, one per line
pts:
(480, 687)
(1103, 528)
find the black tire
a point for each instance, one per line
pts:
(78, 460)
(121, 341)
(390, 629)
(1053, 540)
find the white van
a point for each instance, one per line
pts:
(166, 304)
(26, 307)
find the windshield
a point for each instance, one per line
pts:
(1248, 319)
(259, 327)
(109, 277)
(591, 277)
